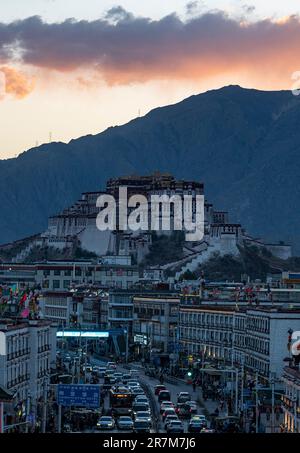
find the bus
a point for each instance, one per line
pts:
(121, 400)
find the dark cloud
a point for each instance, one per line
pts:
(192, 7)
(137, 49)
(249, 9)
(118, 13)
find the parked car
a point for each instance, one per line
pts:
(105, 422)
(125, 423)
(164, 395)
(175, 427)
(183, 397)
(158, 388)
(141, 426)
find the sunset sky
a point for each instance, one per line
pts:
(76, 67)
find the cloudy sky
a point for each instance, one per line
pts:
(73, 67)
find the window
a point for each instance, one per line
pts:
(56, 272)
(56, 284)
(68, 273)
(67, 283)
(78, 272)
(45, 284)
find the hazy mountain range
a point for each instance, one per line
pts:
(243, 144)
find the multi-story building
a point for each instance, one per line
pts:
(155, 319)
(227, 332)
(84, 307)
(291, 399)
(61, 275)
(27, 351)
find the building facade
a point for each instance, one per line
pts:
(253, 336)
(27, 351)
(155, 320)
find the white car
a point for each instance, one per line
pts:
(170, 418)
(105, 422)
(125, 422)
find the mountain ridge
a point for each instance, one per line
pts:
(242, 143)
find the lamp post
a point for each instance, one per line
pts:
(273, 404)
(256, 402)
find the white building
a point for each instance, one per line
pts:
(27, 350)
(256, 335)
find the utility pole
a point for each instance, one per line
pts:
(256, 402)
(59, 420)
(27, 411)
(126, 353)
(242, 392)
(1, 417)
(273, 404)
(295, 414)
(236, 390)
(44, 417)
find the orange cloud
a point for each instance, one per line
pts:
(16, 83)
(122, 49)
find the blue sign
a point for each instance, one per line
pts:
(78, 395)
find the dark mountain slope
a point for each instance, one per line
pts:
(244, 145)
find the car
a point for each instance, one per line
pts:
(111, 365)
(164, 395)
(158, 388)
(183, 397)
(141, 425)
(133, 383)
(99, 371)
(187, 409)
(195, 425)
(67, 428)
(182, 410)
(118, 377)
(168, 411)
(144, 414)
(141, 399)
(136, 391)
(170, 418)
(165, 404)
(175, 427)
(138, 407)
(125, 422)
(126, 378)
(135, 373)
(200, 417)
(105, 422)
